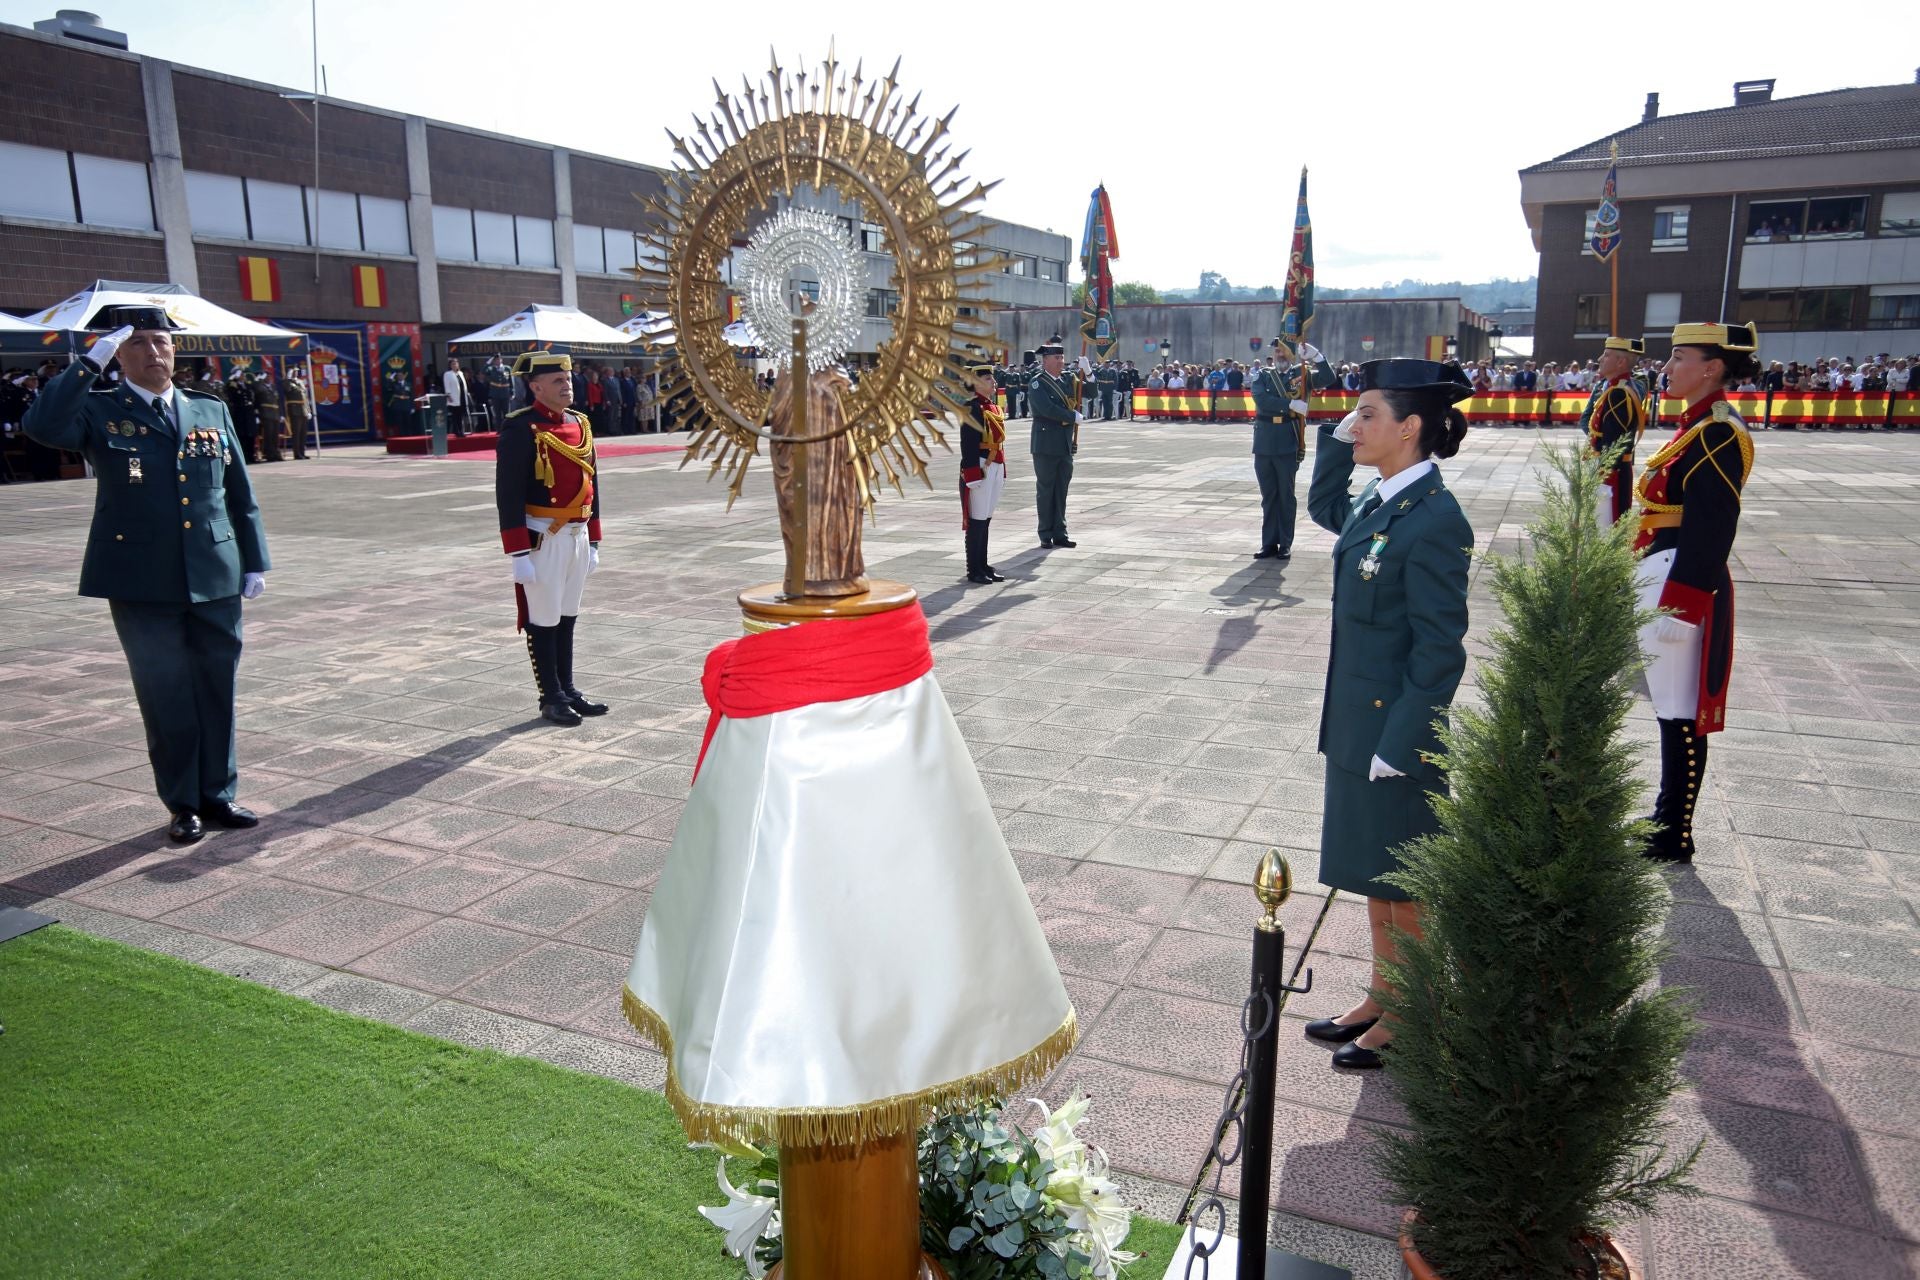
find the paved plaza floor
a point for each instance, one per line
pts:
(1142, 710)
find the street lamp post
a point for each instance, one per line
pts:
(1493, 342)
(1166, 350)
(1453, 346)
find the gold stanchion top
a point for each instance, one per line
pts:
(1273, 885)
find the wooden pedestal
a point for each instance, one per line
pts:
(852, 1213)
(769, 606)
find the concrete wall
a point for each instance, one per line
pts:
(1203, 332)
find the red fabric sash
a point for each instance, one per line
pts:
(826, 661)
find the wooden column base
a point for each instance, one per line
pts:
(852, 1213)
(768, 605)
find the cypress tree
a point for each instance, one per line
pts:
(1532, 1051)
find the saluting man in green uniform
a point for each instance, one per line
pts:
(1279, 437)
(1053, 398)
(176, 544)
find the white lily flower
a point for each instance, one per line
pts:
(744, 1218)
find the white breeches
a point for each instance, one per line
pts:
(1673, 670)
(983, 495)
(560, 568)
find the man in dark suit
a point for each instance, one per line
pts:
(176, 544)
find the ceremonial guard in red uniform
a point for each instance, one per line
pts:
(983, 470)
(1616, 412)
(1689, 510)
(545, 486)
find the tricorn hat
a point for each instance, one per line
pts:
(1730, 337)
(532, 364)
(136, 317)
(1416, 375)
(981, 370)
(1053, 348)
(1632, 346)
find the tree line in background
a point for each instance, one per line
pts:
(1487, 297)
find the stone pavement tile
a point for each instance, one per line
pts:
(1284, 828)
(1873, 1090)
(127, 817)
(1090, 1000)
(1143, 747)
(613, 809)
(1884, 833)
(1861, 802)
(1711, 931)
(1716, 1239)
(1137, 776)
(602, 1015)
(1205, 784)
(543, 904)
(1875, 955)
(165, 886)
(32, 847)
(1240, 858)
(1025, 762)
(1296, 794)
(1303, 1073)
(1010, 792)
(445, 955)
(1724, 886)
(527, 797)
(1091, 946)
(1062, 837)
(1759, 1068)
(447, 828)
(96, 763)
(632, 862)
(1850, 866)
(61, 803)
(343, 931)
(615, 927)
(1041, 873)
(1150, 897)
(1826, 903)
(1072, 800)
(352, 864)
(479, 1028)
(641, 1068)
(1893, 1169)
(1237, 759)
(553, 982)
(1191, 816)
(1172, 851)
(280, 972)
(1903, 869)
(1795, 824)
(1201, 966)
(447, 884)
(251, 908)
(601, 768)
(1324, 1168)
(1779, 792)
(1163, 1033)
(1149, 1124)
(662, 825)
(381, 1001)
(1771, 1158)
(1860, 1013)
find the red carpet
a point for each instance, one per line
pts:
(478, 447)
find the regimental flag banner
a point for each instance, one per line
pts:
(369, 286)
(1297, 303)
(1098, 246)
(1606, 220)
(259, 279)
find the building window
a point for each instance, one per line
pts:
(534, 238)
(1823, 218)
(1839, 217)
(882, 303)
(35, 183)
(1771, 309)
(847, 225)
(873, 237)
(1020, 264)
(217, 205)
(1670, 227)
(113, 193)
(1900, 213)
(1586, 232)
(1804, 310)
(1897, 308)
(589, 248)
(383, 225)
(1663, 312)
(1053, 269)
(623, 249)
(963, 255)
(1590, 314)
(453, 233)
(336, 221)
(493, 238)
(277, 212)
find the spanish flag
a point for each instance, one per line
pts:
(259, 279)
(369, 286)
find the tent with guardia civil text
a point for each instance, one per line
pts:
(204, 328)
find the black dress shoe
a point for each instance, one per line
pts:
(1065, 542)
(230, 815)
(1265, 553)
(559, 713)
(981, 578)
(584, 705)
(1353, 1058)
(994, 575)
(1327, 1031)
(1046, 542)
(186, 828)
(1284, 553)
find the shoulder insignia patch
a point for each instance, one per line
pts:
(1722, 411)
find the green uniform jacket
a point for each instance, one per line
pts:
(1275, 426)
(1399, 635)
(174, 520)
(1052, 403)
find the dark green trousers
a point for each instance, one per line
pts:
(1051, 476)
(184, 658)
(1278, 505)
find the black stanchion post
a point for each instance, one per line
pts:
(1272, 883)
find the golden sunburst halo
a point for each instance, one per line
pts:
(860, 139)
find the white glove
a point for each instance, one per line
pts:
(101, 352)
(1381, 769)
(593, 556)
(251, 585)
(1086, 366)
(1344, 432)
(523, 571)
(1300, 407)
(1311, 352)
(1668, 629)
(1079, 418)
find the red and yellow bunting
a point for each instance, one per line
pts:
(369, 286)
(259, 279)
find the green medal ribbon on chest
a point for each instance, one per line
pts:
(1370, 562)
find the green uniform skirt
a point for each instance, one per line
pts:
(1363, 823)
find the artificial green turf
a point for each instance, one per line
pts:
(159, 1120)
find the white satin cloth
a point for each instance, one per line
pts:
(983, 495)
(1673, 670)
(839, 920)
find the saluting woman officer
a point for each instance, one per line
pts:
(1689, 510)
(1399, 630)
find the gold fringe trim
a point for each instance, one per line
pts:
(844, 1126)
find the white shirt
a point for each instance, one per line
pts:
(455, 381)
(1401, 479)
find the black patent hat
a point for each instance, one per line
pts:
(1416, 375)
(136, 317)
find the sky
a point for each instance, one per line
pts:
(1413, 119)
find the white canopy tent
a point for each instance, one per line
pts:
(541, 327)
(649, 328)
(205, 329)
(21, 337)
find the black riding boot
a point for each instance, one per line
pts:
(993, 574)
(1683, 763)
(564, 668)
(543, 649)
